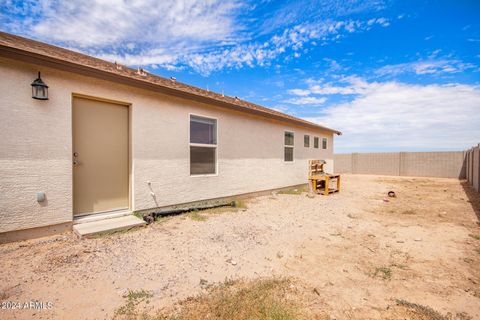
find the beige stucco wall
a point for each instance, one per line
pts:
(36, 148)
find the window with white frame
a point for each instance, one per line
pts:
(324, 143)
(288, 146)
(203, 145)
(315, 142)
(306, 141)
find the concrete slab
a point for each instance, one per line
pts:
(107, 225)
(101, 216)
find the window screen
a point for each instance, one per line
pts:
(306, 141)
(202, 160)
(288, 147)
(289, 138)
(203, 145)
(288, 154)
(203, 130)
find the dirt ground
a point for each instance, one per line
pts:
(358, 250)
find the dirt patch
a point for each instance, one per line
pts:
(354, 255)
(261, 299)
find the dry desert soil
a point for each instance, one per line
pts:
(357, 254)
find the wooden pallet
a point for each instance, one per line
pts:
(320, 181)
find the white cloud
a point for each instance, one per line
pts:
(346, 85)
(383, 22)
(334, 66)
(205, 35)
(299, 92)
(398, 116)
(426, 67)
(251, 54)
(136, 33)
(314, 101)
(113, 23)
(291, 40)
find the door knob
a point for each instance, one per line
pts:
(75, 154)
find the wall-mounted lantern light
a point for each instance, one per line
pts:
(39, 89)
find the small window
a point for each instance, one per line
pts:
(315, 142)
(289, 138)
(324, 143)
(288, 147)
(203, 145)
(306, 141)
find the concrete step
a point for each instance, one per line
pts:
(107, 225)
(101, 216)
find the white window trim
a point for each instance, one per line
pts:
(289, 146)
(203, 145)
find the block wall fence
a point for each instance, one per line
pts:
(472, 164)
(453, 164)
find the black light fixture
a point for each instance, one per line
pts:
(39, 89)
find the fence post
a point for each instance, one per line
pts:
(401, 163)
(354, 162)
(467, 160)
(478, 169)
(470, 165)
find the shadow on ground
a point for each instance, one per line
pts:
(473, 198)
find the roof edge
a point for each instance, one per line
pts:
(129, 77)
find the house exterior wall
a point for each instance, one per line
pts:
(36, 147)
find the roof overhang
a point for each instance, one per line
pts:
(68, 66)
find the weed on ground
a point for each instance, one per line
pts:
(133, 299)
(295, 191)
(196, 216)
(383, 272)
(203, 215)
(265, 299)
(418, 311)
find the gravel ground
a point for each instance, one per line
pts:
(359, 249)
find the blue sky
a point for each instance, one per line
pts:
(391, 75)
